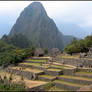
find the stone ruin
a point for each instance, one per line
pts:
(39, 52)
(86, 55)
(89, 55)
(83, 55)
(54, 52)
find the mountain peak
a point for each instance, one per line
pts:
(36, 25)
(36, 4)
(34, 8)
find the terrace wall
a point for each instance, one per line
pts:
(30, 75)
(76, 62)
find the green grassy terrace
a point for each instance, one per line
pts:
(37, 64)
(62, 67)
(34, 64)
(53, 69)
(72, 57)
(27, 69)
(75, 77)
(86, 73)
(36, 60)
(69, 83)
(54, 88)
(48, 76)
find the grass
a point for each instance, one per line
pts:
(48, 86)
(28, 83)
(58, 66)
(70, 57)
(45, 66)
(37, 64)
(75, 77)
(48, 76)
(63, 67)
(37, 60)
(28, 69)
(34, 64)
(52, 69)
(33, 70)
(68, 83)
(54, 88)
(87, 73)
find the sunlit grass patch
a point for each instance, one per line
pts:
(27, 69)
(69, 83)
(34, 64)
(48, 76)
(54, 88)
(75, 77)
(82, 72)
(36, 60)
(53, 69)
(62, 66)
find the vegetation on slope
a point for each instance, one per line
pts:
(9, 54)
(6, 84)
(18, 40)
(77, 46)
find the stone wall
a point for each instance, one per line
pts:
(84, 70)
(83, 75)
(45, 79)
(79, 81)
(31, 66)
(64, 86)
(41, 87)
(30, 75)
(69, 71)
(76, 62)
(54, 73)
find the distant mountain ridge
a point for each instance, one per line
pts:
(41, 30)
(72, 29)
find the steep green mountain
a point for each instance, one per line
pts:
(67, 39)
(18, 40)
(41, 30)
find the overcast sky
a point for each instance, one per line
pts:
(78, 12)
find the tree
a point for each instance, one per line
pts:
(45, 50)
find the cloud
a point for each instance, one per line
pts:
(87, 21)
(77, 12)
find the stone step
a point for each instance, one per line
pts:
(46, 77)
(75, 79)
(67, 85)
(52, 71)
(84, 74)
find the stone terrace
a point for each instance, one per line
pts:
(61, 76)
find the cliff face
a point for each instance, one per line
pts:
(41, 30)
